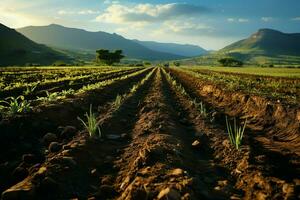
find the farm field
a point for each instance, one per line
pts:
(161, 133)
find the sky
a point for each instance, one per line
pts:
(211, 24)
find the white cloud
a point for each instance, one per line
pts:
(78, 12)
(146, 13)
(238, 20)
(267, 19)
(187, 27)
(296, 19)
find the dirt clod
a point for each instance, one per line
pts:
(68, 132)
(29, 158)
(54, 147)
(48, 138)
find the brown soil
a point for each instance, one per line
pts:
(23, 134)
(163, 149)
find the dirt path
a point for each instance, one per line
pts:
(161, 163)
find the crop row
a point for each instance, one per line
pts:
(275, 88)
(19, 104)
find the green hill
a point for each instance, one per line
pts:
(16, 49)
(80, 40)
(266, 46)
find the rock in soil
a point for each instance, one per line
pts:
(55, 147)
(68, 132)
(48, 138)
(29, 158)
(196, 144)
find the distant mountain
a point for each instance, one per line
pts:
(266, 46)
(267, 42)
(81, 40)
(173, 48)
(16, 49)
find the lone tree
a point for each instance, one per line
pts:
(230, 62)
(109, 58)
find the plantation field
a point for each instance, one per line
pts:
(149, 133)
(277, 72)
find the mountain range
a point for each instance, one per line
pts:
(80, 40)
(47, 44)
(16, 49)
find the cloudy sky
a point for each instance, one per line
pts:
(211, 24)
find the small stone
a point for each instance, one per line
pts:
(169, 193)
(55, 147)
(218, 188)
(68, 132)
(94, 172)
(177, 172)
(196, 144)
(48, 138)
(29, 158)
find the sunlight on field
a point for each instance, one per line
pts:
(278, 72)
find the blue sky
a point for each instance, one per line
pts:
(211, 24)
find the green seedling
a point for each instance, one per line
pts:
(236, 132)
(92, 125)
(15, 105)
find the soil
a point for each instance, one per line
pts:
(157, 146)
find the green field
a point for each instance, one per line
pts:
(277, 72)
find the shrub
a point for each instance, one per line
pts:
(230, 62)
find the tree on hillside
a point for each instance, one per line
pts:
(109, 58)
(230, 62)
(177, 64)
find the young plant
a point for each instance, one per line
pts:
(236, 132)
(92, 126)
(29, 90)
(50, 97)
(68, 93)
(16, 105)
